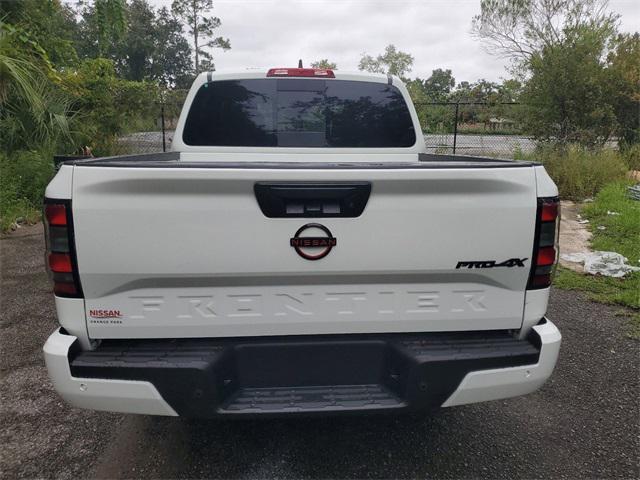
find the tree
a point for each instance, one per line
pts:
(48, 23)
(571, 92)
(480, 91)
(510, 90)
(461, 92)
(34, 111)
(171, 59)
(624, 80)
(519, 29)
(134, 54)
(433, 118)
(153, 46)
(391, 62)
(439, 85)
(201, 27)
(324, 63)
(416, 90)
(101, 28)
(569, 95)
(111, 22)
(110, 105)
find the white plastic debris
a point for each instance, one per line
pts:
(609, 212)
(609, 264)
(574, 257)
(601, 227)
(582, 222)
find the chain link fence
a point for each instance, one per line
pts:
(158, 139)
(474, 128)
(470, 128)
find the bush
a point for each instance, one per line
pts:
(580, 173)
(23, 177)
(631, 157)
(109, 106)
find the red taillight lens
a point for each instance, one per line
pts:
(56, 214)
(545, 253)
(60, 263)
(546, 257)
(63, 289)
(60, 248)
(301, 72)
(549, 210)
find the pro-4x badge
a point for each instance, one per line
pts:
(512, 262)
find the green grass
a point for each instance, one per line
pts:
(631, 156)
(612, 291)
(622, 235)
(622, 232)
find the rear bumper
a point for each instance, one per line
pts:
(98, 393)
(301, 375)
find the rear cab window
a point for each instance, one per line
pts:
(290, 112)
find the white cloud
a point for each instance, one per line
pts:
(270, 33)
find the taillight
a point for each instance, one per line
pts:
(301, 72)
(61, 255)
(545, 254)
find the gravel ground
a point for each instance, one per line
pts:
(585, 422)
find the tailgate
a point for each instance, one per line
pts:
(188, 252)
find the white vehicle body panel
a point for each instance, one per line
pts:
(188, 252)
(61, 185)
(125, 396)
(485, 385)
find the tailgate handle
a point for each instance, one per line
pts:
(303, 199)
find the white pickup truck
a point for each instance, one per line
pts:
(299, 253)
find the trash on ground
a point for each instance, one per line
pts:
(634, 192)
(582, 222)
(609, 264)
(609, 212)
(587, 200)
(601, 227)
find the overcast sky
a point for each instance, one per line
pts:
(271, 33)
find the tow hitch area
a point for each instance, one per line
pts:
(330, 374)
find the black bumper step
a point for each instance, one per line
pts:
(306, 399)
(305, 374)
